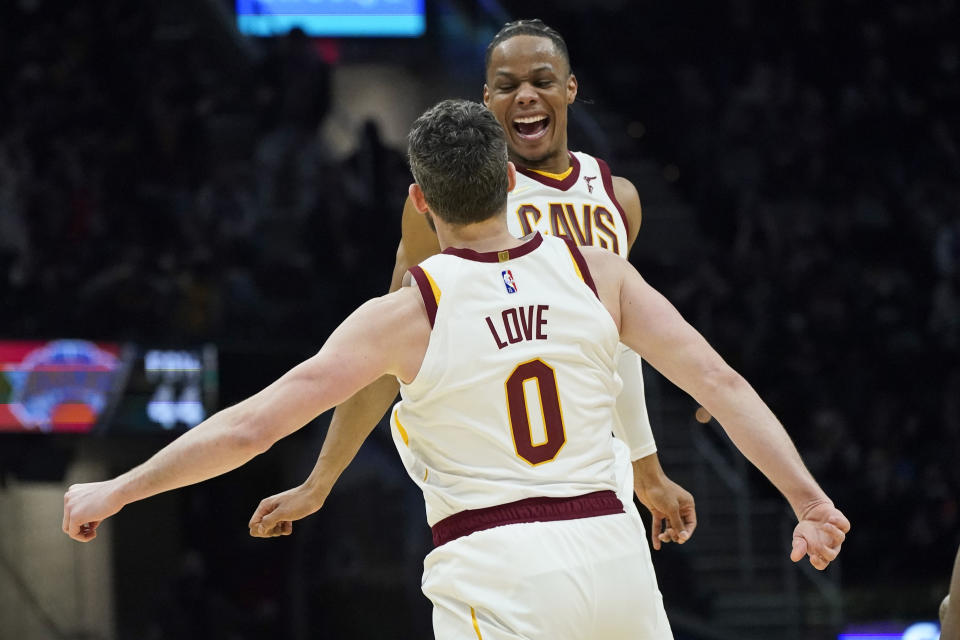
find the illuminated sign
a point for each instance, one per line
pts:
(79, 386)
(917, 631)
(385, 18)
(57, 386)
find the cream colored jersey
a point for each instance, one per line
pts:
(516, 393)
(578, 205)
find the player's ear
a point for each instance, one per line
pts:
(486, 95)
(417, 198)
(511, 176)
(571, 89)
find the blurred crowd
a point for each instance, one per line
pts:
(820, 145)
(148, 187)
(154, 185)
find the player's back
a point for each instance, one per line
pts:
(579, 205)
(515, 395)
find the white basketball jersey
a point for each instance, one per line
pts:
(515, 396)
(578, 205)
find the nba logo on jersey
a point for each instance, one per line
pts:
(508, 281)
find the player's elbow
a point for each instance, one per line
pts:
(251, 433)
(719, 381)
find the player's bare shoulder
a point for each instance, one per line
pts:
(628, 197)
(397, 323)
(405, 307)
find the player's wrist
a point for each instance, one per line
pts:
(121, 491)
(647, 471)
(804, 507)
(318, 485)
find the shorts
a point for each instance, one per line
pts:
(582, 579)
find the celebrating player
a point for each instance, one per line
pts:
(531, 538)
(529, 86)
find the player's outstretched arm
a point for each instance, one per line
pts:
(380, 337)
(650, 325)
(352, 420)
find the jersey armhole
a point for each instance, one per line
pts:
(580, 264)
(607, 179)
(428, 291)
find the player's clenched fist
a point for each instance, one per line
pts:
(274, 516)
(85, 506)
(819, 534)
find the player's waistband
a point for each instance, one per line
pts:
(598, 503)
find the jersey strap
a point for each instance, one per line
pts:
(580, 264)
(429, 291)
(607, 178)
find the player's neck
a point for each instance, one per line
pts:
(489, 235)
(556, 163)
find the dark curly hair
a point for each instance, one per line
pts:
(533, 27)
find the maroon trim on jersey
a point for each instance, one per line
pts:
(607, 178)
(582, 263)
(562, 185)
(426, 292)
(598, 503)
(495, 256)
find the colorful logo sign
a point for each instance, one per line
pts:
(61, 385)
(508, 281)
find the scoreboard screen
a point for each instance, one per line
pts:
(166, 390)
(80, 386)
(333, 18)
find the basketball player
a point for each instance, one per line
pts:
(529, 86)
(506, 351)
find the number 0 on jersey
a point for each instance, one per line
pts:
(518, 410)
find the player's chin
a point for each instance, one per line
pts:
(532, 155)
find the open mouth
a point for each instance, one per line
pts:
(531, 127)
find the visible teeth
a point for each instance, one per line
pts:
(529, 119)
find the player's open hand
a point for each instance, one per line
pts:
(819, 534)
(669, 502)
(275, 515)
(85, 506)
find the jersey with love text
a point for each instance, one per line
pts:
(516, 393)
(578, 205)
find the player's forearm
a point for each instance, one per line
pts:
(230, 438)
(218, 445)
(350, 425)
(760, 437)
(647, 471)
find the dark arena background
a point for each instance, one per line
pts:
(193, 193)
